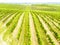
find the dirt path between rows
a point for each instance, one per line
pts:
(48, 31)
(32, 30)
(18, 25)
(8, 19)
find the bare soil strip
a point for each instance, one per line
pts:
(8, 19)
(48, 31)
(18, 25)
(32, 30)
(5, 18)
(54, 28)
(21, 38)
(1, 35)
(54, 22)
(4, 25)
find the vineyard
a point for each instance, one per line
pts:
(36, 24)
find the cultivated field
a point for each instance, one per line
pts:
(36, 24)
